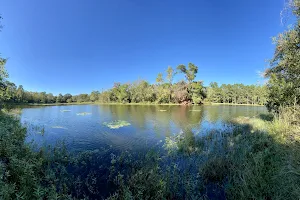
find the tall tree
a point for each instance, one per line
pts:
(43, 97)
(284, 71)
(50, 98)
(20, 93)
(10, 91)
(66, 97)
(83, 98)
(159, 78)
(59, 98)
(170, 77)
(197, 92)
(3, 74)
(94, 96)
(190, 73)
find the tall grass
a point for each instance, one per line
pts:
(24, 173)
(265, 162)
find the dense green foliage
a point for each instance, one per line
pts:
(284, 73)
(182, 92)
(14, 94)
(137, 92)
(237, 94)
(24, 173)
(143, 92)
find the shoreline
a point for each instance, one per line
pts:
(141, 104)
(233, 104)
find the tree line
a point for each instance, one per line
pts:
(187, 91)
(12, 94)
(237, 93)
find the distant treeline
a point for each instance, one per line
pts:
(237, 93)
(164, 91)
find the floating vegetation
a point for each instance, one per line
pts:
(41, 131)
(84, 113)
(116, 124)
(65, 110)
(162, 110)
(195, 110)
(58, 127)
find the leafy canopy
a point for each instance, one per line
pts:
(190, 73)
(284, 71)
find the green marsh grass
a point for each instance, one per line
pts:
(116, 124)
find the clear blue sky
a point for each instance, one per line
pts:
(77, 46)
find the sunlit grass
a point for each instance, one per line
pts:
(14, 111)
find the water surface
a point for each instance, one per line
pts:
(82, 127)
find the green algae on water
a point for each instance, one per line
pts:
(65, 110)
(84, 113)
(116, 124)
(58, 127)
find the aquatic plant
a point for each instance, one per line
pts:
(116, 124)
(58, 127)
(65, 110)
(83, 113)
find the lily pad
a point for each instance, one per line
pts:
(116, 124)
(195, 110)
(65, 110)
(84, 113)
(58, 127)
(162, 110)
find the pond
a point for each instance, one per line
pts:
(125, 127)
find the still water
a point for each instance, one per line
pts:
(84, 127)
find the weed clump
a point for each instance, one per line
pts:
(116, 124)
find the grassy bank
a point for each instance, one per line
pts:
(255, 158)
(233, 104)
(263, 158)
